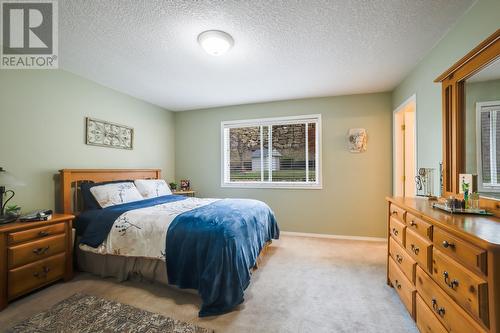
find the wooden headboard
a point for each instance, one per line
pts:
(71, 178)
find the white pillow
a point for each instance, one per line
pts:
(152, 188)
(115, 194)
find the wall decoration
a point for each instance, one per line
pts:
(357, 139)
(106, 134)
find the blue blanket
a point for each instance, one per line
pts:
(211, 248)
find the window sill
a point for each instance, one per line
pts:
(288, 186)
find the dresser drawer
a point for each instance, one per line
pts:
(397, 230)
(427, 322)
(418, 225)
(397, 212)
(37, 233)
(403, 286)
(26, 278)
(448, 312)
(464, 286)
(402, 259)
(463, 251)
(29, 252)
(419, 248)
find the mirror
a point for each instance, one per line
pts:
(482, 129)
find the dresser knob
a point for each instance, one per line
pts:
(43, 273)
(399, 259)
(41, 250)
(434, 304)
(415, 249)
(453, 283)
(398, 285)
(395, 232)
(439, 310)
(43, 233)
(447, 244)
(412, 223)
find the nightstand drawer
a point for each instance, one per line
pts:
(38, 233)
(465, 287)
(468, 254)
(29, 252)
(419, 248)
(26, 278)
(397, 230)
(418, 225)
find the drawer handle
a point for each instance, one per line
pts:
(453, 283)
(439, 310)
(43, 273)
(415, 249)
(41, 250)
(398, 285)
(43, 233)
(399, 259)
(395, 231)
(447, 244)
(394, 212)
(412, 223)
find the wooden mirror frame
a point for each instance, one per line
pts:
(453, 94)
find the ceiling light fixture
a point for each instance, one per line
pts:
(215, 42)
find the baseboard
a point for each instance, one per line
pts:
(360, 238)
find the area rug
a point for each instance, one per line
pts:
(83, 313)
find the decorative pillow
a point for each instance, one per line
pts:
(152, 188)
(89, 202)
(115, 194)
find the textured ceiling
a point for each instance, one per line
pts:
(283, 49)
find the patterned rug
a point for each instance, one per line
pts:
(82, 313)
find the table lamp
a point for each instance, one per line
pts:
(7, 179)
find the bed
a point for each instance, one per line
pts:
(207, 245)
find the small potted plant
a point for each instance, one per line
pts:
(13, 210)
(173, 186)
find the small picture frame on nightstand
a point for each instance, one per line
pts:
(185, 184)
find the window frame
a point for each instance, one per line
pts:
(481, 186)
(302, 119)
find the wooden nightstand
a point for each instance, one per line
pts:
(187, 193)
(34, 254)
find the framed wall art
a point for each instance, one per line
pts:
(106, 134)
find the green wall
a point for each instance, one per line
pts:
(42, 114)
(354, 185)
(475, 26)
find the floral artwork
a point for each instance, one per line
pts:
(106, 134)
(357, 139)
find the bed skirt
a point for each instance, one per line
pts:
(122, 268)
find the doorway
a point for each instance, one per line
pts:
(405, 148)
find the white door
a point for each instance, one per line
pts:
(404, 150)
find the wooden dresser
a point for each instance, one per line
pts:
(34, 254)
(444, 267)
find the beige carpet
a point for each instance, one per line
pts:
(304, 285)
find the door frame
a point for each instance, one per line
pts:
(411, 99)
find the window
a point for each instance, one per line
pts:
(274, 152)
(488, 144)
